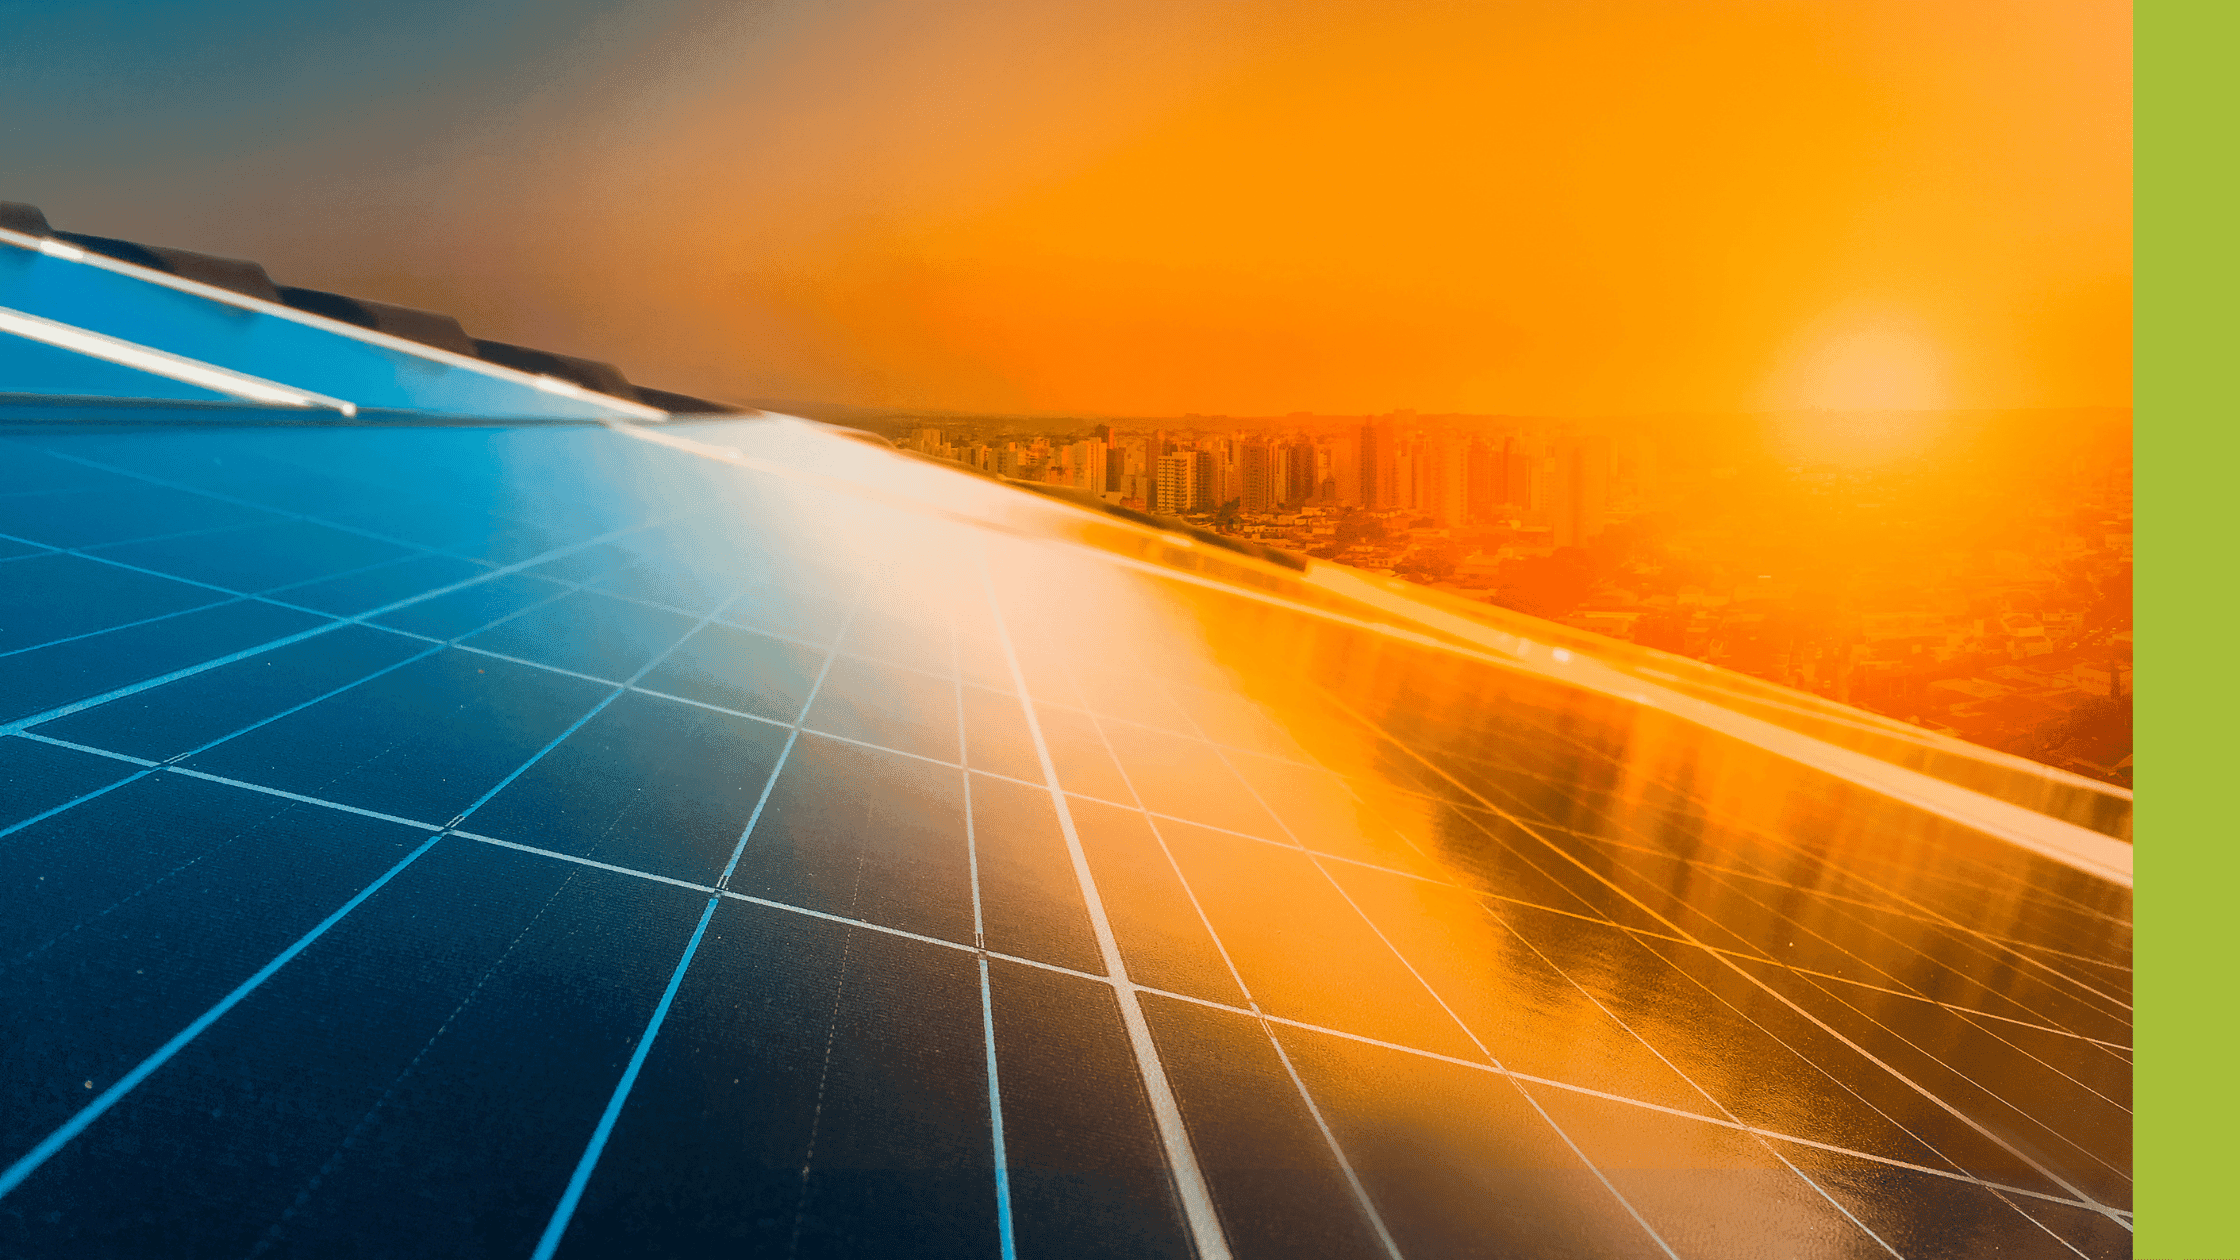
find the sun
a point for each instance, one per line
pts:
(1875, 364)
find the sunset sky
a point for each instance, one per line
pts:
(1214, 206)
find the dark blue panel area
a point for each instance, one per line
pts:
(44, 598)
(130, 915)
(817, 1090)
(468, 1024)
(280, 554)
(34, 682)
(649, 784)
(470, 608)
(106, 516)
(888, 706)
(589, 633)
(1279, 1189)
(421, 742)
(866, 834)
(739, 669)
(1030, 898)
(377, 588)
(11, 549)
(188, 712)
(36, 777)
(1088, 1175)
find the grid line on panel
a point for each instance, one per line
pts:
(61, 1136)
(1004, 1231)
(125, 625)
(457, 642)
(1837, 898)
(364, 618)
(1362, 1201)
(274, 1233)
(1203, 1223)
(563, 1212)
(557, 1225)
(1360, 1191)
(1822, 1191)
(49, 1146)
(2011, 1148)
(1966, 937)
(1907, 990)
(1966, 932)
(2000, 881)
(238, 501)
(1909, 947)
(1722, 955)
(793, 736)
(1303, 1025)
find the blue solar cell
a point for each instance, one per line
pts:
(462, 612)
(817, 1090)
(119, 514)
(888, 706)
(354, 594)
(894, 856)
(54, 596)
(130, 916)
(36, 777)
(659, 583)
(650, 784)
(416, 1009)
(423, 742)
(1088, 1176)
(739, 669)
(81, 669)
(258, 558)
(1030, 900)
(185, 714)
(589, 633)
(1268, 1167)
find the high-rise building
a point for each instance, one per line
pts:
(1263, 488)
(1175, 489)
(1579, 489)
(1443, 478)
(1301, 476)
(1376, 464)
(1212, 484)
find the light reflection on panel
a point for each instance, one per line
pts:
(1427, 954)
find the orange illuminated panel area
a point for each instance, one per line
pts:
(732, 836)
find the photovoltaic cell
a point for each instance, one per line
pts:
(404, 825)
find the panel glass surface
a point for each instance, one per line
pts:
(735, 839)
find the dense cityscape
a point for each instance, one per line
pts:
(1978, 584)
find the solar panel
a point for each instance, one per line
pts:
(561, 839)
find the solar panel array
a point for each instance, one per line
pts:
(535, 841)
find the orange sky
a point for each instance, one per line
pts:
(1248, 207)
